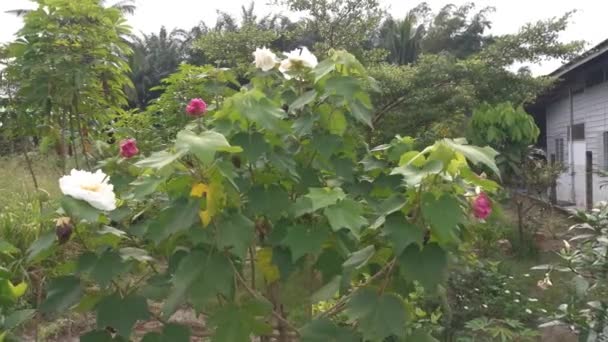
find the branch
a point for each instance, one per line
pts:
(275, 314)
(340, 305)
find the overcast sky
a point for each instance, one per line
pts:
(589, 22)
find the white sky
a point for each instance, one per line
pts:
(589, 22)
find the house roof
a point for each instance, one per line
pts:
(583, 58)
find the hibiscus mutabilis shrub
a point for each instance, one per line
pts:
(274, 190)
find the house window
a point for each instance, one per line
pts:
(578, 132)
(559, 150)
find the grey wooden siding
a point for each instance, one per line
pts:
(591, 108)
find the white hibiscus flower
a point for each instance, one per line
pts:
(264, 59)
(94, 188)
(297, 59)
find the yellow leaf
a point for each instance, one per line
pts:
(198, 190)
(205, 217)
(19, 290)
(264, 262)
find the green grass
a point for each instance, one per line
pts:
(21, 218)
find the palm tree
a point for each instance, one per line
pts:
(402, 38)
(125, 6)
(155, 56)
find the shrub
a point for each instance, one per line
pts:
(271, 193)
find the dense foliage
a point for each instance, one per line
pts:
(265, 190)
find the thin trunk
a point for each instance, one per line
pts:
(82, 141)
(62, 144)
(72, 138)
(29, 163)
(76, 112)
(520, 222)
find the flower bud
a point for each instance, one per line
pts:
(63, 229)
(128, 148)
(482, 206)
(196, 107)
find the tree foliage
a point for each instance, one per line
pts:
(70, 69)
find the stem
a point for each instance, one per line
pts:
(29, 163)
(62, 143)
(275, 314)
(80, 133)
(72, 138)
(252, 265)
(341, 304)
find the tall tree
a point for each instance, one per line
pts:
(402, 38)
(458, 30)
(155, 57)
(230, 42)
(73, 76)
(339, 24)
(440, 86)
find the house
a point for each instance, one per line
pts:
(574, 123)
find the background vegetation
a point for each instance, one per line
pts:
(77, 81)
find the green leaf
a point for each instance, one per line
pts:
(477, 155)
(443, 215)
(254, 145)
(360, 112)
(41, 247)
(304, 124)
(303, 240)
(160, 159)
(179, 217)
(62, 294)
(107, 267)
(401, 233)
(379, 316)
(79, 209)
(390, 205)
(328, 291)
(428, 266)
(359, 258)
(145, 186)
(263, 112)
(17, 317)
(204, 145)
(327, 144)
(324, 197)
(171, 333)
(334, 122)
(200, 276)
(9, 293)
(236, 323)
(8, 249)
(324, 330)
(132, 253)
(269, 201)
(235, 233)
(324, 68)
(346, 214)
(413, 176)
(414, 158)
(303, 100)
(121, 313)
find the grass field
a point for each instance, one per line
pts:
(21, 219)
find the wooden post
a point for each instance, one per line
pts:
(553, 190)
(589, 179)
